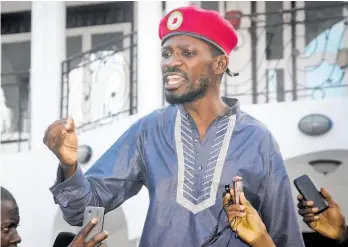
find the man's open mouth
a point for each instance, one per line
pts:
(173, 81)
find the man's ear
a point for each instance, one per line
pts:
(221, 64)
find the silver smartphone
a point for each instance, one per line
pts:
(89, 214)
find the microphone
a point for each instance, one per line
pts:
(63, 239)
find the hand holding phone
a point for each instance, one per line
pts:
(89, 214)
(310, 193)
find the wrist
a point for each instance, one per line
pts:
(68, 170)
(263, 240)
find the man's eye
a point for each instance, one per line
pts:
(189, 53)
(5, 229)
(166, 54)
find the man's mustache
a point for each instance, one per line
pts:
(174, 70)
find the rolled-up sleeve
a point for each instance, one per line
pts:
(278, 210)
(118, 175)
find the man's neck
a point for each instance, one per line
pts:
(205, 110)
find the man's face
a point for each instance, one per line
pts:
(186, 69)
(9, 223)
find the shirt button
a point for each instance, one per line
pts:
(196, 140)
(197, 154)
(199, 168)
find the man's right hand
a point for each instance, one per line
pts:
(330, 223)
(61, 139)
(247, 222)
(79, 240)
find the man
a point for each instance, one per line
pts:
(10, 222)
(329, 223)
(186, 153)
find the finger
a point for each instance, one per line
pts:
(235, 223)
(233, 195)
(51, 129)
(55, 136)
(226, 199)
(44, 139)
(70, 124)
(97, 239)
(304, 204)
(248, 207)
(87, 228)
(235, 213)
(307, 211)
(300, 197)
(235, 207)
(326, 195)
(310, 219)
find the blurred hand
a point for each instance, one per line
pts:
(247, 222)
(79, 240)
(329, 223)
(61, 139)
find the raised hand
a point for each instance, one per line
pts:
(60, 137)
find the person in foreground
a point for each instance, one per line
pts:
(10, 221)
(246, 222)
(185, 153)
(329, 223)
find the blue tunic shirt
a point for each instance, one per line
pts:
(186, 176)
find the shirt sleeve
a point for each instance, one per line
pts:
(278, 208)
(118, 175)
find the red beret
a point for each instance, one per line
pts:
(200, 23)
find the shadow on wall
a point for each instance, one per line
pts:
(114, 222)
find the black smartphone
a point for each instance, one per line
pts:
(310, 193)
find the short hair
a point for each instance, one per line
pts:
(217, 52)
(6, 195)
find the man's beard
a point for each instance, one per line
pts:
(191, 95)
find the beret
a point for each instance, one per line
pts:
(204, 24)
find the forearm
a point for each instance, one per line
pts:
(263, 241)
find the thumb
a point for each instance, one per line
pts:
(226, 198)
(248, 207)
(326, 195)
(70, 124)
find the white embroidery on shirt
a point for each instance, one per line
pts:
(186, 187)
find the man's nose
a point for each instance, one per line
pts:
(16, 239)
(173, 61)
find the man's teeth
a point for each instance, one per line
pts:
(174, 79)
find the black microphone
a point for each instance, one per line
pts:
(63, 239)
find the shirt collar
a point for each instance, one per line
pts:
(233, 104)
